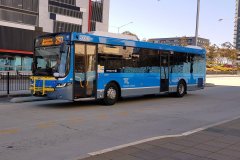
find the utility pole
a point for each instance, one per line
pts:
(123, 26)
(197, 22)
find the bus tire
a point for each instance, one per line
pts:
(181, 89)
(111, 94)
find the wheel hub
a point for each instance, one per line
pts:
(181, 89)
(111, 93)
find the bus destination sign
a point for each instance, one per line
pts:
(49, 41)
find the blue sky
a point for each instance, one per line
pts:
(171, 18)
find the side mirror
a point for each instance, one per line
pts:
(63, 48)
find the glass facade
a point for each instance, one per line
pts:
(30, 5)
(69, 2)
(15, 63)
(66, 8)
(97, 10)
(97, 13)
(20, 11)
(65, 11)
(13, 16)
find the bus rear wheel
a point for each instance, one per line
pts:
(181, 89)
(111, 94)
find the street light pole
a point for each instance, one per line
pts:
(123, 26)
(197, 22)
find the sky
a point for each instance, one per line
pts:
(171, 18)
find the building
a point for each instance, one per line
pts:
(177, 41)
(236, 40)
(22, 20)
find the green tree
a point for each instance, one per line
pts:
(229, 52)
(212, 53)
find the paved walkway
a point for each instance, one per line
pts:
(4, 98)
(222, 75)
(216, 143)
(15, 93)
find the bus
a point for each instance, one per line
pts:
(79, 67)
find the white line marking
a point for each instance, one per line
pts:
(131, 144)
(160, 137)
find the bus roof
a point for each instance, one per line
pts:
(133, 43)
(90, 38)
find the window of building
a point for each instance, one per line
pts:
(18, 17)
(27, 4)
(30, 5)
(6, 2)
(69, 2)
(65, 11)
(17, 4)
(97, 10)
(15, 63)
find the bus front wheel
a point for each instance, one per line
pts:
(111, 94)
(181, 89)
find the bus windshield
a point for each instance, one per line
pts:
(50, 60)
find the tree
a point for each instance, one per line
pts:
(229, 52)
(130, 34)
(212, 53)
(183, 41)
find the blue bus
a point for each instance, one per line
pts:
(76, 67)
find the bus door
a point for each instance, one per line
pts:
(164, 63)
(85, 71)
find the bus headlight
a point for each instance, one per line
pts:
(61, 85)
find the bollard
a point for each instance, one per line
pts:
(8, 83)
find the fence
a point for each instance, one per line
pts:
(13, 82)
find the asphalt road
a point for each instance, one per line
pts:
(58, 130)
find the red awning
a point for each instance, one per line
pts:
(16, 51)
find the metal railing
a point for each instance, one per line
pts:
(14, 82)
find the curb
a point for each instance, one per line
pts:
(28, 99)
(17, 95)
(210, 85)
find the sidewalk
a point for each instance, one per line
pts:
(15, 93)
(221, 142)
(222, 75)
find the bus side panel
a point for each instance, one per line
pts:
(131, 84)
(194, 80)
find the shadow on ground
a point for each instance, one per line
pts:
(60, 104)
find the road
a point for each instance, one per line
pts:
(59, 130)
